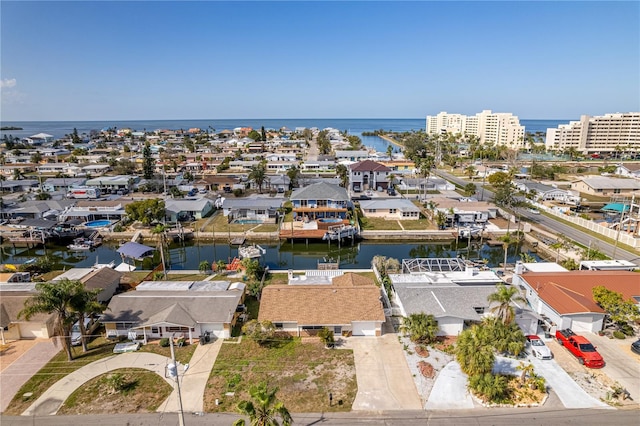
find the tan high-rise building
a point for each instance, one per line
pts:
(600, 134)
(490, 127)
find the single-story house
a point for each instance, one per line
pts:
(111, 183)
(542, 192)
(566, 298)
(19, 185)
(606, 186)
(465, 213)
(62, 184)
(351, 304)
(106, 279)
(355, 155)
(630, 170)
(87, 210)
(12, 299)
(260, 210)
(393, 209)
(279, 183)
(180, 209)
(424, 184)
(157, 309)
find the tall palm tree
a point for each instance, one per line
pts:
(505, 297)
(343, 174)
(85, 304)
(258, 174)
(473, 353)
(264, 409)
(56, 298)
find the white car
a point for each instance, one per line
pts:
(538, 348)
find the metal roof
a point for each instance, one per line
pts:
(135, 250)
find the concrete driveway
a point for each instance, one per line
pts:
(622, 365)
(450, 390)
(384, 380)
(22, 360)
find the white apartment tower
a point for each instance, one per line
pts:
(489, 127)
(605, 133)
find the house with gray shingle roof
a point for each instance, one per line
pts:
(320, 200)
(606, 186)
(391, 208)
(542, 192)
(261, 210)
(159, 309)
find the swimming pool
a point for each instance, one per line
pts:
(97, 223)
(330, 220)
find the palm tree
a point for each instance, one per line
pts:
(473, 353)
(420, 327)
(85, 304)
(160, 231)
(504, 297)
(264, 408)
(343, 174)
(56, 298)
(507, 240)
(258, 174)
(470, 171)
(562, 243)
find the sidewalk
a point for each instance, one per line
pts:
(194, 381)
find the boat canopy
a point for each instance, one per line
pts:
(135, 250)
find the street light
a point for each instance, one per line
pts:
(172, 371)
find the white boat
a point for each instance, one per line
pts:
(79, 247)
(472, 231)
(251, 251)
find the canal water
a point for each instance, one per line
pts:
(282, 255)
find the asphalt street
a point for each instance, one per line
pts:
(554, 225)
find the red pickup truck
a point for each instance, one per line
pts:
(581, 348)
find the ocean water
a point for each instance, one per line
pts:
(354, 126)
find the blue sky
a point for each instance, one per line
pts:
(189, 60)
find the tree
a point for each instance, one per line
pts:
(470, 171)
(620, 311)
(253, 134)
(148, 163)
(326, 336)
(489, 387)
(258, 174)
(527, 258)
(146, 211)
(505, 297)
(263, 134)
(36, 157)
(469, 189)
(507, 240)
(85, 304)
(264, 408)
(294, 175)
(420, 327)
(204, 266)
(43, 196)
(562, 243)
(473, 353)
(343, 174)
(262, 332)
(56, 298)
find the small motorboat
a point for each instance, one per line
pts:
(79, 247)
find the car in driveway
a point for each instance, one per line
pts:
(635, 347)
(538, 348)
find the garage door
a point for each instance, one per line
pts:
(215, 329)
(579, 326)
(32, 330)
(364, 328)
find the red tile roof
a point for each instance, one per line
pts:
(571, 292)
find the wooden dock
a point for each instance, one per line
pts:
(237, 241)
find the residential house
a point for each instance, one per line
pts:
(12, 327)
(279, 183)
(19, 185)
(565, 299)
(114, 183)
(355, 155)
(37, 209)
(69, 169)
(182, 209)
(390, 209)
(318, 166)
(320, 201)
(606, 186)
(463, 212)
(105, 279)
(542, 192)
(455, 294)
(189, 309)
(303, 308)
(367, 174)
(254, 210)
(87, 210)
(631, 170)
(424, 184)
(62, 184)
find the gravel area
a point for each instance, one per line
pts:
(436, 358)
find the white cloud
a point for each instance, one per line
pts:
(8, 83)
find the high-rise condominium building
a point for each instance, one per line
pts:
(499, 128)
(604, 133)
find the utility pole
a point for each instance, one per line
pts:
(173, 372)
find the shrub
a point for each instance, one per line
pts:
(489, 387)
(619, 334)
(118, 228)
(326, 336)
(627, 329)
(164, 342)
(263, 333)
(237, 192)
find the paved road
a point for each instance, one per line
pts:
(476, 417)
(554, 225)
(15, 375)
(384, 379)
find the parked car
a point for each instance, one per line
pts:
(581, 348)
(635, 347)
(89, 325)
(538, 348)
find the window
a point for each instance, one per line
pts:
(479, 309)
(312, 327)
(277, 325)
(176, 329)
(337, 330)
(392, 211)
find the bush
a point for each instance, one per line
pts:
(118, 228)
(237, 192)
(627, 329)
(619, 334)
(164, 342)
(326, 336)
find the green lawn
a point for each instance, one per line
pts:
(379, 224)
(417, 225)
(305, 373)
(183, 354)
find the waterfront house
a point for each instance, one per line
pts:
(252, 210)
(367, 174)
(188, 309)
(347, 155)
(114, 183)
(320, 201)
(424, 184)
(303, 307)
(565, 298)
(38, 209)
(604, 186)
(62, 184)
(106, 279)
(390, 209)
(454, 293)
(87, 210)
(318, 166)
(184, 209)
(463, 211)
